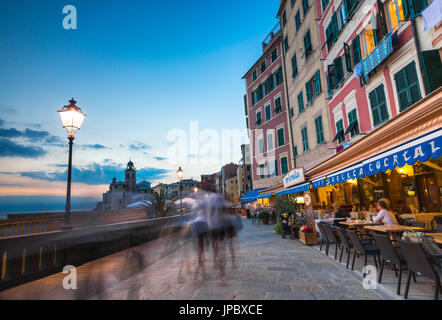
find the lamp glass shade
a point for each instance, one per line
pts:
(71, 118)
(180, 174)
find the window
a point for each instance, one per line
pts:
(313, 87)
(280, 137)
(304, 139)
(347, 56)
(274, 54)
(263, 66)
(270, 144)
(286, 43)
(273, 168)
(300, 102)
(297, 20)
(378, 105)
(395, 14)
(340, 137)
(261, 171)
(368, 41)
(278, 106)
(356, 50)
(296, 151)
(407, 86)
(353, 127)
(351, 6)
(339, 71)
(307, 45)
(258, 118)
(253, 98)
(278, 77)
(292, 112)
(292, 3)
(432, 68)
(284, 166)
(342, 16)
(260, 145)
(294, 66)
(284, 19)
(417, 6)
(331, 79)
(268, 113)
(305, 7)
(324, 4)
(255, 75)
(332, 31)
(268, 85)
(319, 130)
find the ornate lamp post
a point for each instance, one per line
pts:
(71, 118)
(180, 175)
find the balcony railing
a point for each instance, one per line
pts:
(271, 35)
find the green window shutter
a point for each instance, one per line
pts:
(261, 171)
(335, 27)
(300, 102)
(432, 67)
(297, 21)
(407, 86)
(307, 45)
(413, 82)
(276, 167)
(347, 58)
(268, 113)
(294, 66)
(308, 93)
(356, 50)
(339, 71)
(304, 139)
(319, 130)
(296, 151)
(416, 7)
(317, 82)
(378, 105)
(284, 167)
(280, 137)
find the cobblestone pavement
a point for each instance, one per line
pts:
(268, 267)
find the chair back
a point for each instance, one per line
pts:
(417, 259)
(438, 220)
(329, 232)
(322, 231)
(355, 241)
(386, 247)
(343, 238)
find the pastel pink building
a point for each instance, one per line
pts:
(267, 115)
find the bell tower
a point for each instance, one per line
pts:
(130, 177)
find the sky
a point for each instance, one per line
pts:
(139, 70)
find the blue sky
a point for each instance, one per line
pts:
(137, 69)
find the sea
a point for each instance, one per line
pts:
(42, 204)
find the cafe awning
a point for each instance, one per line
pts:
(320, 182)
(265, 196)
(353, 172)
(338, 135)
(296, 189)
(351, 127)
(420, 149)
(252, 195)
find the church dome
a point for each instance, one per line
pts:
(130, 166)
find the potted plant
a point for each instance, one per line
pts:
(264, 216)
(307, 235)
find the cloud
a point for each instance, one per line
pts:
(94, 146)
(139, 146)
(9, 148)
(35, 135)
(2, 122)
(11, 133)
(55, 140)
(95, 174)
(160, 158)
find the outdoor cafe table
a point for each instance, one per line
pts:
(437, 237)
(392, 229)
(361, 224)
(426, 218)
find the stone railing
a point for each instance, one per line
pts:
(21, 224)
(28, 257)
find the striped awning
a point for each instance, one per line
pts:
(296, 189)
(319, 182)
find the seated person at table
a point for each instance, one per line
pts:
(385, 216)
(372, 210)
(337, 213)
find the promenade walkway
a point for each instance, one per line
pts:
(268, 267)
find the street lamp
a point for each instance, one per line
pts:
(72, 118)
(180, 175)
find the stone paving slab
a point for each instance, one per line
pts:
(268, 267)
